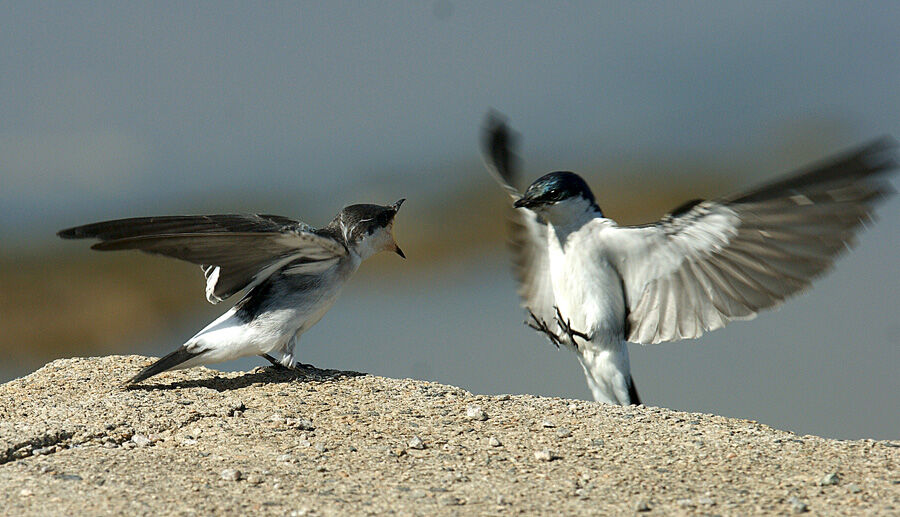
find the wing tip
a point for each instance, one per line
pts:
(498, 143)
(76, 232)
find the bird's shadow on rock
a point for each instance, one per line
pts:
(269, 375)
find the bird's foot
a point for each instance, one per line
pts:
(297, 367)
(541, 326)
(275, 364)
(566, 326)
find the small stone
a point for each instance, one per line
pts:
(231, 475)
(563, 432)
(416, 443)
(235, 407)
(685, 503)
(449, 500)
(278, 418)
(284, 458)
(642, 506)
(43, 450)
(418, 494)
(494, 442)
(797, 506)
(854, 488)
(25, 492)
(548, 424)
(544, 455)
(706, 501)
(304, 424)
(829, 479)
(475, 413)
(254, 479)
(503, 397)
(321, 447)
(140, 440)
(304, 443)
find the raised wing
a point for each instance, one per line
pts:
(710, 262)
(528, 235)
(235, 251)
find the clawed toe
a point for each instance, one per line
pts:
(566, 326)
(276, 365)
(541, 326)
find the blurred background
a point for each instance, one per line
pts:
(112, 110)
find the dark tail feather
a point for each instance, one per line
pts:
(632, 393)
(170, 361)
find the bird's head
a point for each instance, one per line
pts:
(558, 192)
(367, 229)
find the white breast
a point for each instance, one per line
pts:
(587, 288)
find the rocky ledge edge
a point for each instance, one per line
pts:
(73, 440)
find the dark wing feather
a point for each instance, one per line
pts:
(172, 224)
(498, 147)
(528, 235)
(235, 251)
(716, 261)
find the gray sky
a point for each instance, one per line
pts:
(108, 102)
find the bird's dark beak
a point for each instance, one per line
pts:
(396, 206)
(525, 202)
(398, 251)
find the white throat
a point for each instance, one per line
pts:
(569, 215)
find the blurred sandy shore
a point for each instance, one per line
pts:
(73, 441)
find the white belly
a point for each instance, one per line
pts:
(587, 290)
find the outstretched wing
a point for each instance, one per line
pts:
(710, 262)
(528, 235)
(235, 251)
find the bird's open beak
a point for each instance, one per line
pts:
(396, 207)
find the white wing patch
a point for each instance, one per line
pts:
(212, 276)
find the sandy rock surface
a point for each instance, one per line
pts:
(74, 442)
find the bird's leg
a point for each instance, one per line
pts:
(541, 326)
(566, 326)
